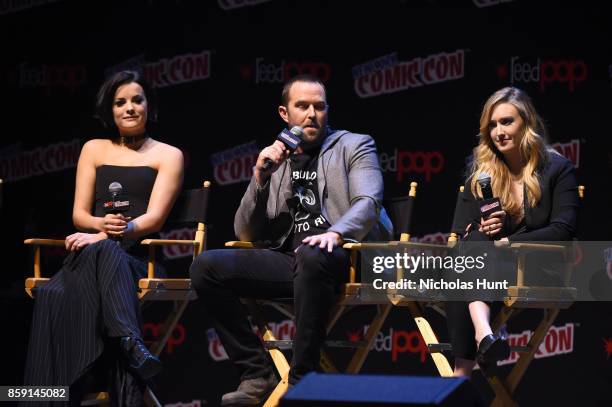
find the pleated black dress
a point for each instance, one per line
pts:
(90, 303)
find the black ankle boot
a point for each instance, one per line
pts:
(140, 360)
(491, 349)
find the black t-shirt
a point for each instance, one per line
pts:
(307, 216)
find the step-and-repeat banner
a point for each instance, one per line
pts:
(414, 75)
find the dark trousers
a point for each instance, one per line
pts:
(458, 319)
(311, 276)
(90, 301)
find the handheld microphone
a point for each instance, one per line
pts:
(488, 204)
(290, 138)
(116, 204)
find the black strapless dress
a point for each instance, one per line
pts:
(91, 302)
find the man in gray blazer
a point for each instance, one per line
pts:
(304, 206)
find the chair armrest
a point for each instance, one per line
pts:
(45, 242)
(366, 246)
(537, 247)
(396, 244)
(37, 243)
(163, 242)
(522, 249)
(244, 245)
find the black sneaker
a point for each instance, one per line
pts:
(141, 361)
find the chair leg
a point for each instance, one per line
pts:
(335, 315)
(503, 396)
(361, 354)
(278, 358)
(326, 363)
(525, 359)
(168, 327)
(444, 368)
(279, 391)
(502, 317)
(96, 399)
(150, 399)
(516, 374)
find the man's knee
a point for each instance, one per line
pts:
(314, 262)
(204, 268)
(310, 256)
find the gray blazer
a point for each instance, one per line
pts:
(350, 191)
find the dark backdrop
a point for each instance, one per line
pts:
(218, 68)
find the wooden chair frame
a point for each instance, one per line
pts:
(551, 300)
(350, 295)
(151, 288)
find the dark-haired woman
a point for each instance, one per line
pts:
(86, 323)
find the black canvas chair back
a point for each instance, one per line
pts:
(456, 229)
(190, 207)
(400, 211)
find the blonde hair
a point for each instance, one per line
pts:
(487, 157)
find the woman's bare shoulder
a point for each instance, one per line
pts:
(97, 143)
(96, 149)
(167, 152)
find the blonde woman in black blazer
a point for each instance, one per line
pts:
(538, 191)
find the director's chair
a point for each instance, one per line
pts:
(190, 208)
(550, 300)
(351, 294)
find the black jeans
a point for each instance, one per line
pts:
(311, 276)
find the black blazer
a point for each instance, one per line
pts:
(554, 218)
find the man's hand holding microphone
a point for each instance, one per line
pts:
(271, 157)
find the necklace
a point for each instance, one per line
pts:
(129, 140)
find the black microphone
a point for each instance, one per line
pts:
(291, 139)
(117, 204)
(488, 204)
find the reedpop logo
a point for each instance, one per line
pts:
(569, 72)
(177, 337)
(269, 72)
(395, 341)
(412, 162)
(51, 76)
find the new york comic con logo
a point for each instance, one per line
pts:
(282, 330)
(235, 164)
(234, 4)
(266, 71)
(546, 73)
(388, 75)
(570, 150)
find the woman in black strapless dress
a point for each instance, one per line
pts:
(86, 323)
